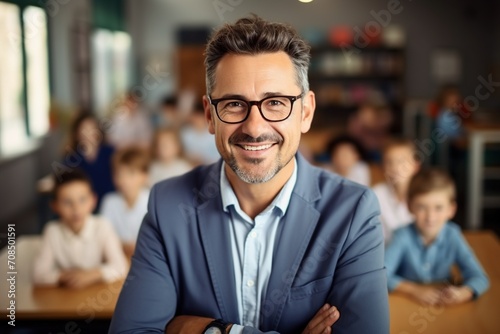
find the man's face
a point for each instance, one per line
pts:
(256, 150)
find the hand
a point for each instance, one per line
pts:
(323, 320)
(188, 324)
(451, 295)
(427, 295)
(77, 278)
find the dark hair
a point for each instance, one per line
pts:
(251, 36)
(81, 117)
(429, 180)
(169, 100)
(344, 139)
(74, 175)
(134, 157)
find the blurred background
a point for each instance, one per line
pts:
(59, 57)
(379, 68)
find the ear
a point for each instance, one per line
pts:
(453, 210)
(208, 114)
(308, 107)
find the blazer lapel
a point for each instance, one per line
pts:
(214, 228)
(292, 240)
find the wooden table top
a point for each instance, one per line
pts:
(97, 301)
(407, 317)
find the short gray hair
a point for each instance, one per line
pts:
(251, 36)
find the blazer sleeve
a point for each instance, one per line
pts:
(360, 285)
(148, 298)
(394, 256)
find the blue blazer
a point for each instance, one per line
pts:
(329, 248)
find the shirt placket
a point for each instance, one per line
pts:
(250, 276)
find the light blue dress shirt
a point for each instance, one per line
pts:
(252, 244)
(407, 258)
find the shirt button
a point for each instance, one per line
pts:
(250, 283)
(253, 234)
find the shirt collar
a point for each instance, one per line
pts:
(280, 202)
(85, 233)
(437, 241)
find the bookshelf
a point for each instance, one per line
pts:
(344, 80)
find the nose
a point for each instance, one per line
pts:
(255, 124)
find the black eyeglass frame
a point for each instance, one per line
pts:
(292, 99)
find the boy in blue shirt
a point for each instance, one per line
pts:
(420, 256)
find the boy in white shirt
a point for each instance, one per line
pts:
(399, 166)
(80, 249)
(126, 207)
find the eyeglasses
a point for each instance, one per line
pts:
(272, 108)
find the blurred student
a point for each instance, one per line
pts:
(198, 143)
(420, 256)
(169, 114)
(89, 152)
(79, 249)
(449, 112)
(126, 207)
(167, 155)
(346, 159)
(370, 125)
(131, 126)
(399, 165)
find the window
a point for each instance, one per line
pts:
(24, 77)
(111, 73)
(37, 70)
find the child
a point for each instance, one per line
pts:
(87, 150)
(370, 125)
(167, 153)
(127, 207)
(80, 249)
(346, 156)
(131, 125)
(399, 166)
(199, 144)
(424, 252)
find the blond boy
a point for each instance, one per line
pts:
(420, 256)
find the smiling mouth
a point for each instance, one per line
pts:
(255, 148)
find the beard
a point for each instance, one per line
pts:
(253, 175)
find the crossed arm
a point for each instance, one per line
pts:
(321, 323)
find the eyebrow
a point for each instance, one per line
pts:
(241, 97)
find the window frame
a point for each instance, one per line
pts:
(23, 5)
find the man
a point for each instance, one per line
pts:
(260, 241)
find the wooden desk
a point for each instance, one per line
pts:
(407, 317)
(478, 317)
(36, 303)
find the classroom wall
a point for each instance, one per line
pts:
(461, 25)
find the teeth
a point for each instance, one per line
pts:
(256, 148)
